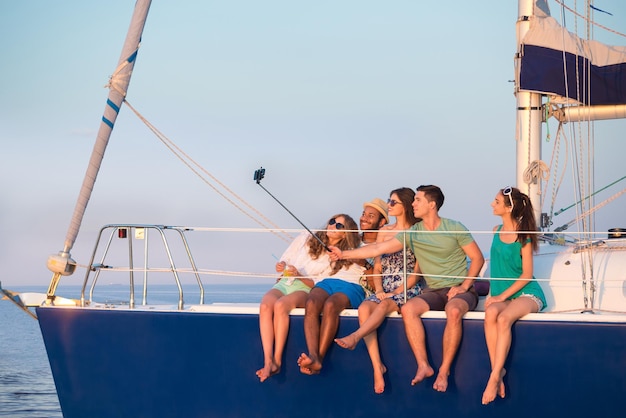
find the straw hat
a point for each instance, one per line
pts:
(379, 205)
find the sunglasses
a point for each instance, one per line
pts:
(507, 191)
(392, 202)
(338, 225)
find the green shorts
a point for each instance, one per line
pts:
(286, 288)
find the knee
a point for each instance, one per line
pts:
(410, 310)
(491, 314)
(332, 308)
(364, 312)
(281, 308)
(504, 321)
(312, 307)
(266, 307)
(454, 314)
(406, 310)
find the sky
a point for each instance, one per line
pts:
(340, 101)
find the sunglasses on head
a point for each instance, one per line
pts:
(392, 202)
(338, 225)
(507, 191)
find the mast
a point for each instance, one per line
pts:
(588, 75)
(529, 118)
(61, 264)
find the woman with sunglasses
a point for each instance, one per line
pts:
(388, 283)
(304, 263)
(514, 293)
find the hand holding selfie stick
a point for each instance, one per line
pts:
(258, 176)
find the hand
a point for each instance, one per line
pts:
(280, 266)
(456, 290)
(493, 299)
(335, 253)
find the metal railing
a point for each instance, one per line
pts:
(132, 233)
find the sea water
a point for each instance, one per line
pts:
(26, 385)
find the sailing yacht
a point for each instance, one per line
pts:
(197, 359)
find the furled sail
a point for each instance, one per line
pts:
(557, 62)
(61, 264)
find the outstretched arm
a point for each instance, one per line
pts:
(371, 250)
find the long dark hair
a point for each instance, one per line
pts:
(524, 214)
(350, 241)
(406, 196)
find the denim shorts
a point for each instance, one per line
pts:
(353, 291)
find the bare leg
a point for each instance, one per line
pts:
(416, 336)
(455, 309)
(282, 308)
(350, 341)
(313, 309)
(516, 309)
(371, 342)
(266, 326)
(491, 337)
(333, 306)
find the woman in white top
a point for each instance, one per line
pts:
(303, 264)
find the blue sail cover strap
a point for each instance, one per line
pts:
(114, 107)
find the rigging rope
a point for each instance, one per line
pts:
(582, 150)
(536, 170)
(562, 4)
(188, 161)
(593, 209)
(554, 164)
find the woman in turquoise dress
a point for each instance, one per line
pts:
(514, 293)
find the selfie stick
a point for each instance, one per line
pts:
(258, 176)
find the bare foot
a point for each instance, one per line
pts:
(495, 386)
(501, 389)
(490, 390)
(349, 341)
(441, 383)
(309, 366)
(379, 379)
(268, 371)
(304, 360)
(421, 374)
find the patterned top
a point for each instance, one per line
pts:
(393, 276)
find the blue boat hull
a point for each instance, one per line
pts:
(121, 363)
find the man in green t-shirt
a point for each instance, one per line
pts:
(441, 247)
